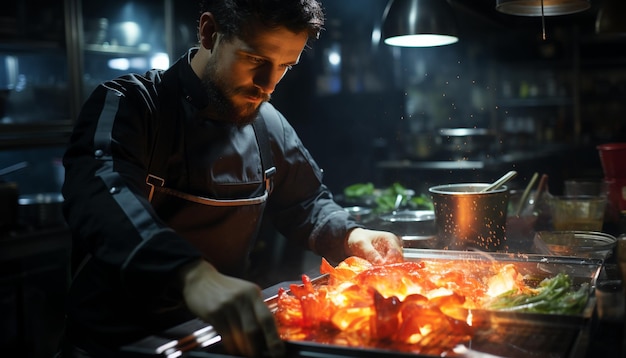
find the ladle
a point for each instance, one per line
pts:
(498, 183)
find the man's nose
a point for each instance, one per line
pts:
(268, 77)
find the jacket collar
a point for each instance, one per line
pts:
(191, 85)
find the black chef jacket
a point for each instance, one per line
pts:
(126, 250)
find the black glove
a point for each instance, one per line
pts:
(234, 307)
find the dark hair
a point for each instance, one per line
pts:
(236, 17)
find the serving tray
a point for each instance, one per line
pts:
(508, 334)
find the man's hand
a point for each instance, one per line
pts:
(234, 307)
(378, 247)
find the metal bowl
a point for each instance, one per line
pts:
(358, 213)
(416, 228)
(588, 244)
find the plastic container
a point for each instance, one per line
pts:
(583, 213)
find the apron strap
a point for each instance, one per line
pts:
(263, 140)
(163, 145)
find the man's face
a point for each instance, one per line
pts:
(243, 73)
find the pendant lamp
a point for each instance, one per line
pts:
(419, 23)
(541, 7)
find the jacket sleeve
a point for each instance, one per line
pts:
(106, 205)
(302, 207)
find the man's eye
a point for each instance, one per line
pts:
(256, 60)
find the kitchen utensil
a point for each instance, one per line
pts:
(498, 183)
(396, 205)
(543, 186)
(13, 168)
(524, 198)
(467, 217)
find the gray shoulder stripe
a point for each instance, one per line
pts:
(102, 138)
(134, 209)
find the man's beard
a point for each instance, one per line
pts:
(220, 104)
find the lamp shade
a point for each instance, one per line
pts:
(533, 7)
(419, 23)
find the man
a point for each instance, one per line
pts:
(169, 174)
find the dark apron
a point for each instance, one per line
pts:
(222, 230)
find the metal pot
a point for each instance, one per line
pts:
(41, 210)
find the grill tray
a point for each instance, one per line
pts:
(504, 334)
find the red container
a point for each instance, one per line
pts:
(613, 159)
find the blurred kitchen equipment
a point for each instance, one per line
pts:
(9, 193)
(591, 187)
(523, 200)
(416, 228)
(464, 142)
(8, 205)
(609, 20)
(541, 188)
(468, 218)
(126, 33)
(610, 295)
(96, 31)
(498, 183)
(583, 212)
(520, 228)
(616, 189)
(541, 7)
(612, 158)
(41, 210)
(409, 222)
(587, 244)
(359, 213)
(13, 168)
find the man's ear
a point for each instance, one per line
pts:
(207, 30)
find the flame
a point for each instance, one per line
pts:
(400, 304)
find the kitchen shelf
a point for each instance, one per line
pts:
(117, 50)
(34, 135)
(535, 102)
(20, 45)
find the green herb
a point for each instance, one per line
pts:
(359, 190)
(553, 295)
(385, 199)
(421, 202)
